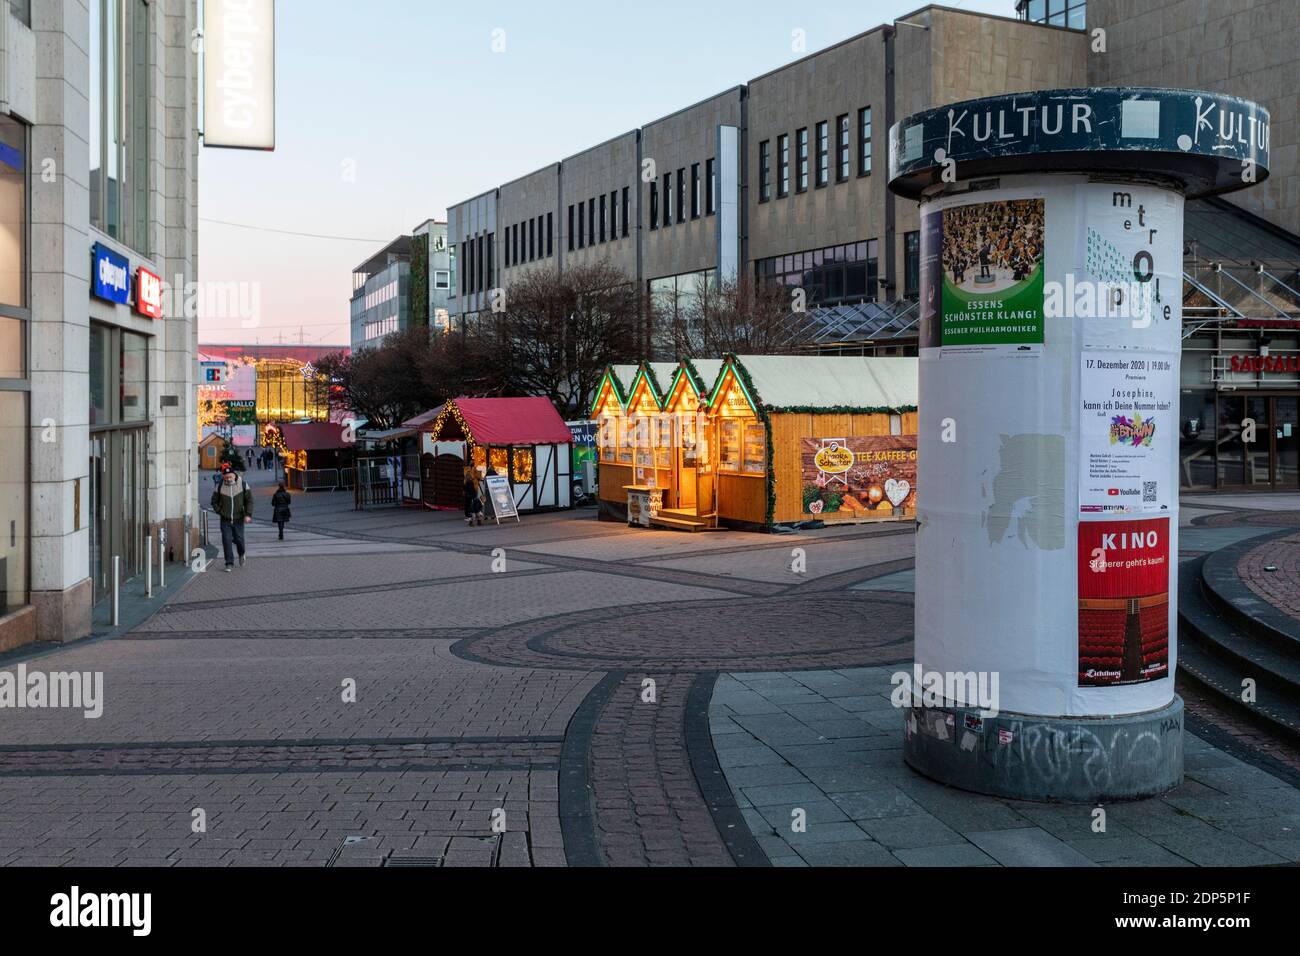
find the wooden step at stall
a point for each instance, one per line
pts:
(680, 520)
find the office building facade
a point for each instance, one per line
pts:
(98, 193)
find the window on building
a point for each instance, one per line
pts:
(582, 227)
(627, 211)
(532, 239)
(613, 214)
(13, 230)
(783, 165)
(911, 264)
(801, 157)
(864, 141)
(823, 153)
(490, 278)
(591, 220)
(668, 199)
(602, 217)
(765, 170)
(831, 275)
(654, 205)
(681, 195)
(695, 190)
(1057, 13)
(842, 147)
(550, 235)
(711, 198)
(570, 227)
(479, 259)
(120, 80)
(442, 279)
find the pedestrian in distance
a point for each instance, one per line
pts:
(280, 508)
(233, 503)
(473, 502)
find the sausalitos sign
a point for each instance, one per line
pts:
(1209, 141)
(1254, 364)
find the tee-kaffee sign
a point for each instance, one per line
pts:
(861, 476)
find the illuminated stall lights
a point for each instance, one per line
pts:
(521, 469)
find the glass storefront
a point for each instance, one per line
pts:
(119, 440)
(1239, 416)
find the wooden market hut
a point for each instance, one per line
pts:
(524, 439)
(316, 455)
(756, 441)
(814, 437)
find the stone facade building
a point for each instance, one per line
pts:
(98, 252)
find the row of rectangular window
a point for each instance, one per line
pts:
(703, 194)
(822, 170)
(527, 242)
(479, 261)
(830, 275)
(600, 219)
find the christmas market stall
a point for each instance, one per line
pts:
(523, 439)
(755, 441)
(317, 455)
(814, 437)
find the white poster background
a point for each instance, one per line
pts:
(1117, 476)
(1129, 233)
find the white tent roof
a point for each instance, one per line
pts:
(708, 370)
(825, 381)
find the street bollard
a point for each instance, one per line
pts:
(148, 565)
(117, 580)
(162, 562)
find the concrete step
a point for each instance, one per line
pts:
(682, 522)
(1219, 655)
(1225, 590)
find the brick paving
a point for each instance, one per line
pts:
(477, 694)
(1280, 587)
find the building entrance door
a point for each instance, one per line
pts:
(1271, 462)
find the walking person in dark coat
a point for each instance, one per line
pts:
(233, 503)
(280, 508)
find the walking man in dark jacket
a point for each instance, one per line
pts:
(233, 503)
(280, 508)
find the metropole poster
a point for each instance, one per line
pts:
(1123, 601)
(1127, 440)
(982, 277)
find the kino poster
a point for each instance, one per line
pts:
(1126, 437)
(1123, 601)
(982, 282)
(862, 476)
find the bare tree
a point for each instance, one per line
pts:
(557, 332)
(737, 315)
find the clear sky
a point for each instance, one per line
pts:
(387, 111)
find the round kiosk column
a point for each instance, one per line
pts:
(1051, 247)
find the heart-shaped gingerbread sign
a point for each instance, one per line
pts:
(897, 490)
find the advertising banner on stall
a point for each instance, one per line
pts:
(862, 475)
(983, 291)
(1127, 440)
(1124, 575)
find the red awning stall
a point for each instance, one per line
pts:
(524, 439)
(317, 456)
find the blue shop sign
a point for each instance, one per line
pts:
(110, 275)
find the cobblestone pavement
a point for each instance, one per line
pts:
(396, 688)
(384, 689)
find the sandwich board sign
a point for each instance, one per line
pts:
(503, 502)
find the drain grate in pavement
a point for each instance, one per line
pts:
(413, 861)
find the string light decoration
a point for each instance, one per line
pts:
(272, 438)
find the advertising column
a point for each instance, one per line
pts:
(1050, 339)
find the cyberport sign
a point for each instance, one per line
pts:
(110, 275)
(239, 74)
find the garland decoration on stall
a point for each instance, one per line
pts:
(449, 410)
